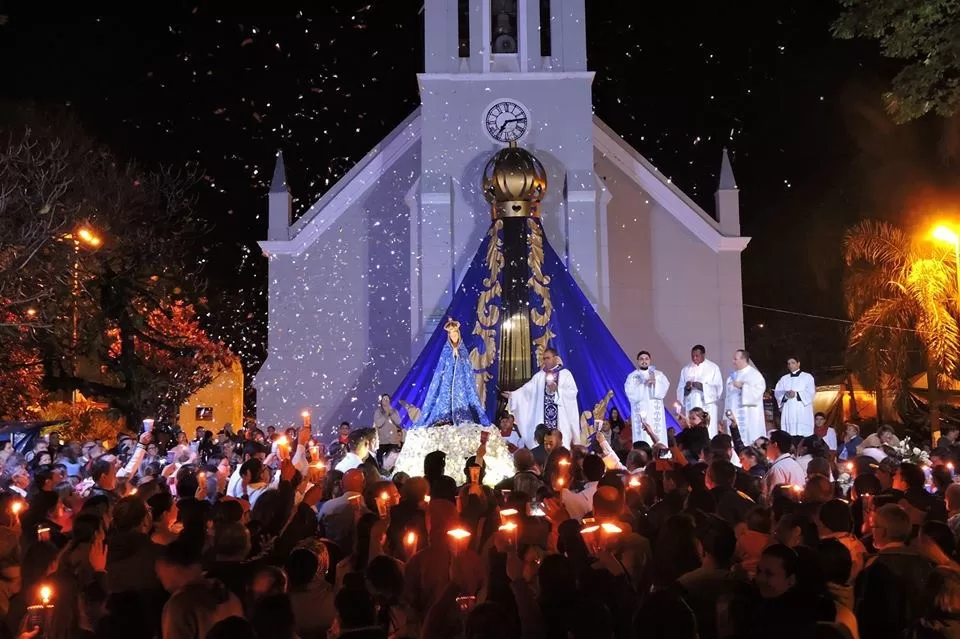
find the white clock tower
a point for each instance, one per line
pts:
(497, 71)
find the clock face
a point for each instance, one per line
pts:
(506, 120)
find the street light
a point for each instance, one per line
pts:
(83, 235)
(89, 237)
(947, 235)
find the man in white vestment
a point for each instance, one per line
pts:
(700, 386)
(745, 388)
(794, 394)
(549, 398)
(645, 388)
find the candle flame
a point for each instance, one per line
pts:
(509, 526)
(564, 461)
(426, 499)
(385, 496)
(305, 413)
(589, 529)
(611, 529)
(634, 482)
(318, 466)
(16, 507)
(458, 533)
(45, 594)
(411, 538)
(509, 512)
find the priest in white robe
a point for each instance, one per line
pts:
(794, 394)
(700, 386)
(645, 388)
(549, 398)
(745, 389)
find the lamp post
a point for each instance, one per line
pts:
(82, 236)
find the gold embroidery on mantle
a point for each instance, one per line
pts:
(539, 284)
(488, 314)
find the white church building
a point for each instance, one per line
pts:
(359, 281)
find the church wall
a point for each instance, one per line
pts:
(665, 283)
(339, 312)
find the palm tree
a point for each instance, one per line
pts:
(901, 295)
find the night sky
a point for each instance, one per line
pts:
(223, 86)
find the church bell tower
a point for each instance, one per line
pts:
(498, 72)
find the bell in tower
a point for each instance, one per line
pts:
(504, 21)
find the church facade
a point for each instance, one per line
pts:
(359, 281)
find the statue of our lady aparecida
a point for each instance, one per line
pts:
(453, 420)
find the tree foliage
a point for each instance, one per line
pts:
(115, 319)
(902, 297)
(925, 35)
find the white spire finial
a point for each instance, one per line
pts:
(279, 183)
(727, 181)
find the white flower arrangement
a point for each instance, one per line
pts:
(912, 454)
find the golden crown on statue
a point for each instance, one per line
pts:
(514, 182)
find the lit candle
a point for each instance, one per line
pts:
(509, 530)
(382, 502)
(306, 419)
(16, 507)
(589, 532)
(564, 462)
(950, 467)
(458, 537)
(507, 513)
(849, 467)
(426, 499)
(283, 447)
(634, 482)
(40, 615)
(608, 532)
(410, 544)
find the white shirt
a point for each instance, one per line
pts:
(580, 503)
(349, 462)
(785, 471)
(513, 438)
(830, 439)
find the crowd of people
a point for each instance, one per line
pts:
(275, 535)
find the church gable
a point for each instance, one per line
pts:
(339, 292)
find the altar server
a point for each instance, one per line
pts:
(549, 398)
(744, 399)
(794, 394)
(645, 388)
(700, 386)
